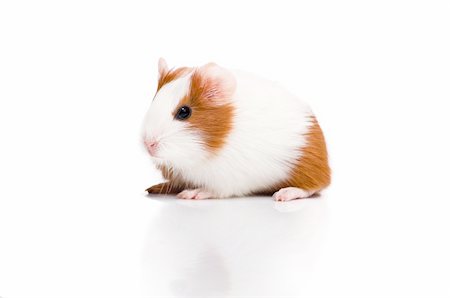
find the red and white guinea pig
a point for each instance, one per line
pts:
(216, 133)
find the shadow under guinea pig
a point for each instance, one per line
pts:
(242, 246)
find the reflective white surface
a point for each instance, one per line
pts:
(248, 246)
(113, 245)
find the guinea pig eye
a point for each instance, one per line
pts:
(183, 113)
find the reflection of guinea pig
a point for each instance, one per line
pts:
(218, 133)
(234, 248)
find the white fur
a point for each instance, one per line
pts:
(263, 146)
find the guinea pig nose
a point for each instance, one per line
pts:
(152, 146)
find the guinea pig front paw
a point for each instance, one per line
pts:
(194, 194)
(291, 193)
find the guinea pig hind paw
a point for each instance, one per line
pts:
(291, 193)
(194, 194)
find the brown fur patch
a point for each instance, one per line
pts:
(173, 185)
(172, 75)
(311, 171)
(213, 119)
(165, 188)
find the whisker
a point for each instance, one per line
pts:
(169, 188)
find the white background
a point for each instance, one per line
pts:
(76, 78)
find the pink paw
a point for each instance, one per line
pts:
(291, 193)
(194, 194)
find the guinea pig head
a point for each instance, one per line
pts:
(191, 114)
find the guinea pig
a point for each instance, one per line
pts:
(216, 133)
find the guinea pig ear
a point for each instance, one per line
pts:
(216, 84)
(162, 67)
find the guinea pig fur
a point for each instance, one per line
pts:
(216, 133)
